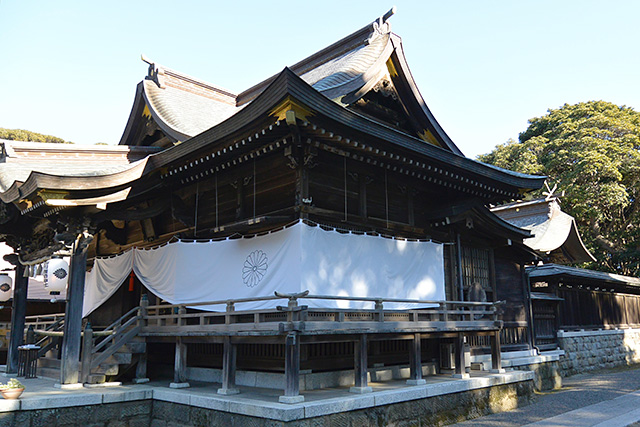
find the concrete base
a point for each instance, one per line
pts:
(228, 391)
(291, 399)
(140, 380)
(9, 374)
(74, 386)
(498, 371)
(360, 390)
(107, 384)
(461, 376)
(179, 385)
(416, 382)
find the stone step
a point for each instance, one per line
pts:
(107, 369)
(49, 362)
(120, 358)
(48, 372)
(96, 379)
(133, 347)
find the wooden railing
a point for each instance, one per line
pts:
(48, 328)
(440, 315)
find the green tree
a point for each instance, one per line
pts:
(25, 135)
(591, 150)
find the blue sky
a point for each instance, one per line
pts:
(70, 68)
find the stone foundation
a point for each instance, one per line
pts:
(432, 411)
(441, 401)
(590, 350)
(129, 414)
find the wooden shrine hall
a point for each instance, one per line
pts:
(340, 145)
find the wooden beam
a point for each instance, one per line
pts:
(73, 312)
(292, 370)
(228, 368)
(18, 312)
(360, 366)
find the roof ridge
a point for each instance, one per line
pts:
(157, 72)
(364, 36)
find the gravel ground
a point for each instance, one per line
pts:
(577, 392)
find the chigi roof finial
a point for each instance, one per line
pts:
(380, 26)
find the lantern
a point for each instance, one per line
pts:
(55, 275)
(5, 287)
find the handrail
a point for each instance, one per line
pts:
(118, 334)
(326, 297)
(37, 316)
(119, 321)
(61, 334)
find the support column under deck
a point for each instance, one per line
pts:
(360, 366)
(292, 370)
(18, 313)
(228, 368)
(180, 366)
(496, 357)
(415, 362)
(460, 371)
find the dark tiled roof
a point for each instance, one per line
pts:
(552, 229)
(555, 270)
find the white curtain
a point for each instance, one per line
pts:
(294, 259)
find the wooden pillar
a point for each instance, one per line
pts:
(292, 370)
(73, 313)
(362, 197)
(18, 313)
(460, 371)
(496, 357)
(415, 362)
(459, 273)
(360, 366)
(180, 365)
(87, 348)
(228, 368)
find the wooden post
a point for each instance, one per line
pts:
(460, 280)
(87, 348)
(228, 368)
(73, 313)
(496, 358)
(141, 369)
(18, 312)
(415, 362)
(180, 366)
(460, 371)
(292, 370)
(360, 366)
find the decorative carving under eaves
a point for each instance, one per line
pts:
(385, 88)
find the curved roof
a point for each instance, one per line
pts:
(555, 232)
(287, 86)
(345, 71)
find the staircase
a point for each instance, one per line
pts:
(106, 355)
(119, 363)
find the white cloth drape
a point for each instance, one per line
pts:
(294, 259)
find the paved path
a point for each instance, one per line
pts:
(608, 398)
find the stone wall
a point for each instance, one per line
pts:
(547, 374)
(183, 410)
(589, 350)
(122, 414)
(433, 411)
